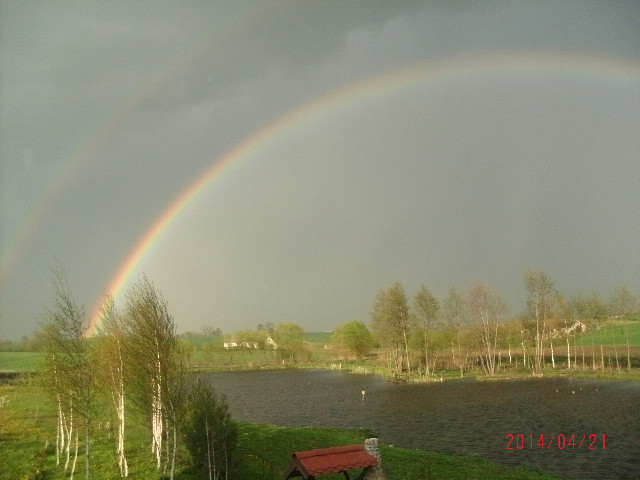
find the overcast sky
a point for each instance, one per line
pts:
(433, 143)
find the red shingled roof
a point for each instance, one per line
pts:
(328, 460)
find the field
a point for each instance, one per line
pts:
(614, 333)
(27, 436)
(319, 338)
(20, 361)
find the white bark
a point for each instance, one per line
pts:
(75, 459)
(118, 401)
(173, 451)
(69, 428)
(206, 429)
(157, 423)
(60, 433)
(406, 349)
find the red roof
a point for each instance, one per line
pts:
(328, 460)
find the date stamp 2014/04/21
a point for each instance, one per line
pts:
(593, 441)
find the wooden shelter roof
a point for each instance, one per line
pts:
(321, 461)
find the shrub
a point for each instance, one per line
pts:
(209, 432)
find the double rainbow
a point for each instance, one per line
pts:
(422, 73)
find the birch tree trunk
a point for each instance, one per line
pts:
(626, 333)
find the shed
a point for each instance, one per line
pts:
(313, 463)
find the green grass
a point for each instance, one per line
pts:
(614, 333)
(27, 439)
(273, 446)
(320, 338)
(221, 358)
(199, 342)
(20, 361)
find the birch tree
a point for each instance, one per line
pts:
(154, 369)
(564, 311)
(111, 368)
(622, 304)
(391, 322)
(454, 314)
(68, 373)
(426, 310)
(540, 296)
(487, 309)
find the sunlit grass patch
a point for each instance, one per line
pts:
(20, 361)
(614, 333)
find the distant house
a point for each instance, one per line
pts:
(234, 344)
(269, 342)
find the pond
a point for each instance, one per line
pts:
(600, 419)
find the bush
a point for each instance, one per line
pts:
(209, 432)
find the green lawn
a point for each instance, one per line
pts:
(273, 445)
(20, 361)
(614, 333)
(320, 338)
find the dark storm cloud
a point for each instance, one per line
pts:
(145, 97)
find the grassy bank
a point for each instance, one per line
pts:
(27, 439)
(274, 445)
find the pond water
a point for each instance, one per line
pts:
(465, 416)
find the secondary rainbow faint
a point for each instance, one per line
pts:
(84, 155)
(378, 85)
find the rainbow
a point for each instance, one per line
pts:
(350, 95)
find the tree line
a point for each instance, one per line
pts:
(136, 365)
(418, 334)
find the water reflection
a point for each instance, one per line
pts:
(458, 416)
